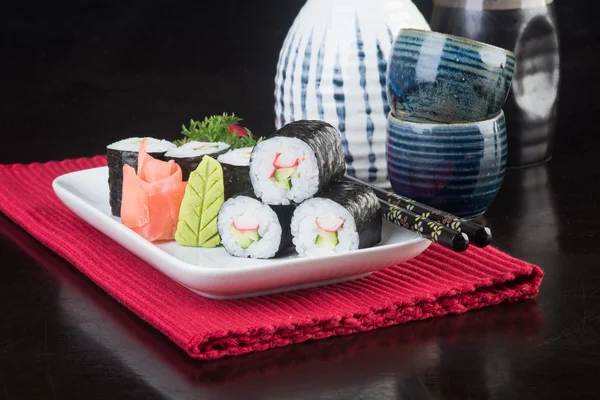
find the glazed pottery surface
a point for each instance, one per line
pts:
(332, 67)
(529, 28)
(434, 77)
(458, 168)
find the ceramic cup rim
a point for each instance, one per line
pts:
(444, 125)
(493, 5)
(459, 39)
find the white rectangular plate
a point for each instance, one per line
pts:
(214, 273)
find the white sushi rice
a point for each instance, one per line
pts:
(261, 166)
(134, 143)
(305, 229)
(269, 228)
(236, 157)
(195, 149)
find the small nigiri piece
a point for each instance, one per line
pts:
(152, 197)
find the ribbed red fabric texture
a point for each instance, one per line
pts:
(436, 283)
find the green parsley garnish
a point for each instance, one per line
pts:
(216, 129)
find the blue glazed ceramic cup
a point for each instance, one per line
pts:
(457, 168)
(435, 77)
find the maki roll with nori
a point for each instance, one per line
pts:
(298, 160)
(126, 152)
(189, 155)
(236, 172)
(342, 217)
(249, 228)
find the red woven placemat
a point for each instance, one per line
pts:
(436, 283)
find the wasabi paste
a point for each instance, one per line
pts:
(204, 196)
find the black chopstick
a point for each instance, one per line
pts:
(423, 226)
(479, 235)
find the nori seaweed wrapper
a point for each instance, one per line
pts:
(284, 215)
(236, 179)
(189, 164)
(325, 141)
(362, 203)
(116, 159)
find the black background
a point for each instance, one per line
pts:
(77, 75)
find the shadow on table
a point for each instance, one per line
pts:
(354, 361)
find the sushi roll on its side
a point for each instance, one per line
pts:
(236, 171)
(189, 155)
(126, 152)
(298, 160)
(249, 228)
(342, 217)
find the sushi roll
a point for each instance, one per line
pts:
(249, 228)
(189, 155)
(236, 171)
(342, 217)
(298, 160)
(126, 152)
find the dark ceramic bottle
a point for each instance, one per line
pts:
(529, 29)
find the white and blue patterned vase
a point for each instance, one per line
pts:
(332, 67)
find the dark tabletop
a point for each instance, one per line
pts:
(79, 74)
